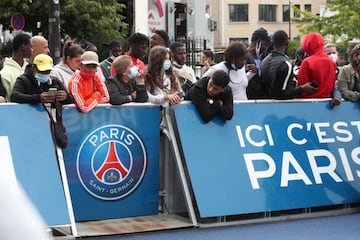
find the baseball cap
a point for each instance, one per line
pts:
(90, 57)
(43, 62)
(299, 52)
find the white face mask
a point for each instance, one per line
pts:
(333, 56)
(258, 49)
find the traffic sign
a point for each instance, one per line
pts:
(17, 21)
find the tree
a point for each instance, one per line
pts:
(81, 19)
(343, 25)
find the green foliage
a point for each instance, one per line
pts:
(94, 20)
(33, 13)
(293, 45)
(342, 27)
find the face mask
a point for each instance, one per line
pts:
(87, 74)
(177, 64)
(233, 66)
(42, 78)
(134, 71)
(333, 56)
(166, 65)
(258, 49)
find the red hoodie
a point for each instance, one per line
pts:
(317, 67)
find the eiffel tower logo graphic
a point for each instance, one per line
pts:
(112, 162)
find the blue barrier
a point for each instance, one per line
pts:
(269, 157)
(272, 156)
(112, 161)
(26, 128)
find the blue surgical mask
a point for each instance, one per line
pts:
(166, 65)
(42, 78)
(134, 71)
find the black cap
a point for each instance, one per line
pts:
(260, 34)
(299, 52)
(112, 44)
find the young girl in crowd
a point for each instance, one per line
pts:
(161, 84)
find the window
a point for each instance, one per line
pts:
(243, 40)
(239, 12)
(286, 13)
(267, 13)
(308, 7)
(296, 14)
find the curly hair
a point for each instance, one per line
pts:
(154, 76)
(234, 50)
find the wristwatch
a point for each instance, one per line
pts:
(211, 102)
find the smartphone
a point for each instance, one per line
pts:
(314, 84)
(53, 90)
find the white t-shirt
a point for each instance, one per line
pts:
(238, 79)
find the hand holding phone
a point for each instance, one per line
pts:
(314, 84)
(53, 90)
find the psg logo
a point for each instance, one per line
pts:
(111, 162)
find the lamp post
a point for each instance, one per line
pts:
(54, 29)
(290, 19)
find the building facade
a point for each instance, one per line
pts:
(238, 19)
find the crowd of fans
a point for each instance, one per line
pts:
(261, 70)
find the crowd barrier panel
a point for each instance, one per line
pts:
(28, 155)
(273, 156)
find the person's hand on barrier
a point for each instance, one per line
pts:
(2, 99)
(61, 95)
(133, 95)
(46, 97)
(335, 102)
(174, 98)
(308, 88)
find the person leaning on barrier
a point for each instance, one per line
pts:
(161, 84)
(86, 86)
(124, 87)
(212, 96)
(348, 79)
(34, 85)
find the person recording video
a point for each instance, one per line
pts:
(36, 86)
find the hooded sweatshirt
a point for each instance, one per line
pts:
(11, 70)
(317, 67)
(63, 73)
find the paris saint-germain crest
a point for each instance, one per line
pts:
(111, 162)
